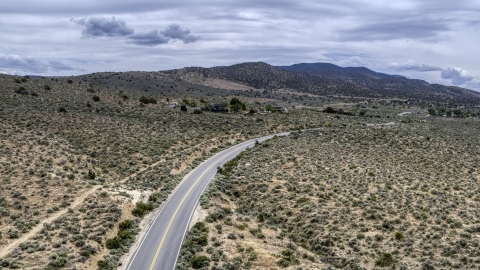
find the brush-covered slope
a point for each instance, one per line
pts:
(331, 80)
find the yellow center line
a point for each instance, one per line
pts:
(175, 213)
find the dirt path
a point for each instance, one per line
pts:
(9, 248)
(4, 252)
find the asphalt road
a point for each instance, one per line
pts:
(160, 246)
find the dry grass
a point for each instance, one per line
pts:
(345, 195)
(56, 143)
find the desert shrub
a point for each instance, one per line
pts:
(385, 260)
(399, 236)
(126, 224)
(96, 98)
(113, 243)
(152, 101)
(288, 258)
(62, 110)
(91, 175)
(87, 251)
(200, 261)
(232, 236)
(154, 197)
(124, 233)
(47, 87)
(12, 234)
(22, 90)
(196, 238)
(146, 100)
(69, 81)
(142, 208)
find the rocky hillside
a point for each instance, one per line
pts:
(331, 80)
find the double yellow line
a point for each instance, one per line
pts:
(175, 213)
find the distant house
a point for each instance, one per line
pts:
(281, 109)
(171, 105)
(218, 108)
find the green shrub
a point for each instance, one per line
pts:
(91, 175)
(385, 260)
(124, 225)
(142, 208)
(113, 243)
(200, 261)
(288, 258)
(146, 100)
(399, 236)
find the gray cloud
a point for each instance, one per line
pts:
(413, 66)
(155, 37)
(274, 31)
(59, 65)
(111, 27)
(397, 29)
(174, 31)
(150, 39)
(103, 27)
(457, 75)
(32, 64)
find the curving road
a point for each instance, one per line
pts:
(160, 247)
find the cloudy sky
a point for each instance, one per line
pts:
(432, 40)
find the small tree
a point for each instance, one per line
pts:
(91, 175)
(237, 105)
(183, 108)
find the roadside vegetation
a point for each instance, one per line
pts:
(351, 197)
(72, 137)
(84, 159)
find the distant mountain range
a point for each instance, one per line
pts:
(327, 79)
(314, 83)
(327, 68)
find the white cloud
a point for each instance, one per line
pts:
(353, 61)
(30, 64)
(457, 76)
(414, 66)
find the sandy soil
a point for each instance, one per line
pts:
(135, 195)
(199, 215)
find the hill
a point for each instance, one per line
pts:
(329, 80)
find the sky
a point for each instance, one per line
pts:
(435, 40)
